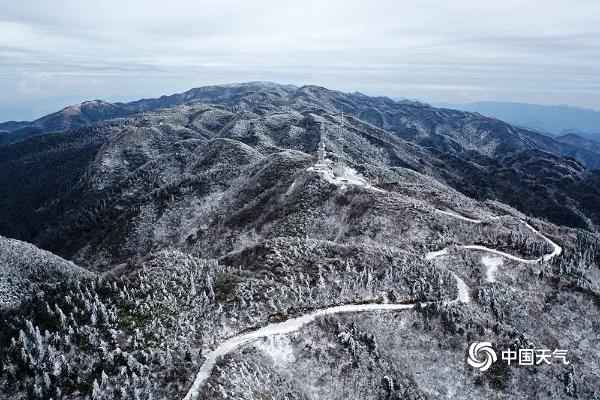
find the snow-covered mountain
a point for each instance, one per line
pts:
(446, 129)
(253, 241)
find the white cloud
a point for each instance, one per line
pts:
(537, 51)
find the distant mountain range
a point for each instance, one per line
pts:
(536, 119)
(499, 136)
(557, 120)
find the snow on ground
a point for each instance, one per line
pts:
(288, 326)
(24, 267)
(491, 263)
(435, 254)
(463, 290)
(271, 331)
(500, 253)
(341, 175)
(344, 175)
(557, 249)
(278, 348)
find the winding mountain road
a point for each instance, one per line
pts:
(281, 328)
(295, 324)
(556, 248)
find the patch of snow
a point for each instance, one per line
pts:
(291, 188)
(463, 290)
(491, 263)
(434, 254)
(341, 175)
(281, 328)
(278, 348)
(499, 253)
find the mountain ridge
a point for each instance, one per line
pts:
(412, 120)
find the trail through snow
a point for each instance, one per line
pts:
(295, 324)
(458, 216)
(556, 248)
(281, 328)
(434, 254)
(499, 253)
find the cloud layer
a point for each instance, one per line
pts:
(55, 53)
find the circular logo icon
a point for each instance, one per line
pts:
(481, 355)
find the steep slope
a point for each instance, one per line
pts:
(359, 244)
(40, 171)
(535, 182)
(24, 269)
(446, 130)
(240, 95)
(584, 151)
(156, 174)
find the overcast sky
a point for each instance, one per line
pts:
(57, 53)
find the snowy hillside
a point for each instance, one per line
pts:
(24, 267)
(269, 246)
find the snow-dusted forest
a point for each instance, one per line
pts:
(254, 242)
